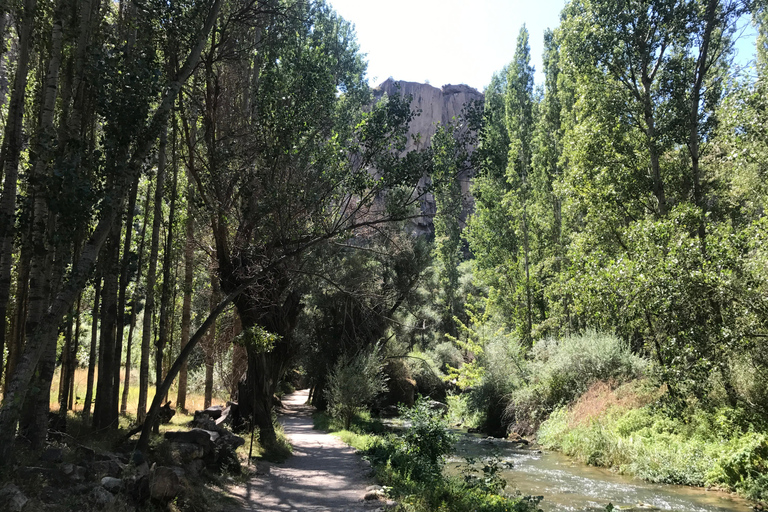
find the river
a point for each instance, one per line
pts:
(569, 485)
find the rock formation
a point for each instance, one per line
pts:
(437, 106)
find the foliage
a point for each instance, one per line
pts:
(561, 370)
(410, 464)
(712, 448)
(353, 384)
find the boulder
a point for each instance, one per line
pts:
(213, 412)
(113, 485)
(197, 436)
(101, 497)
(12, 498)
(110, 467)
(73, 473)
(164, 484)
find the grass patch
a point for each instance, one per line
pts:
(716, 447)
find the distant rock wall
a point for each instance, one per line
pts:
(438, 106)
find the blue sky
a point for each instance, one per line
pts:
(456, 41)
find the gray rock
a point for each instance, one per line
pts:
(186, 452)
(111, 467)
(12, 498)
(112, 484)
(102, 497)
(438, 406)
(164, 484)
(73, 472)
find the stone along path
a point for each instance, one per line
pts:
(324, 474)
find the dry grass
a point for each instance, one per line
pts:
(194, 401)
(603, 397)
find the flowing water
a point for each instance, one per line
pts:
(569, 485)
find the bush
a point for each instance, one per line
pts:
(411, 465)
(562, 370)
(697, 447)
(353, 384)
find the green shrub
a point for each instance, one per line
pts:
(353, 383)
(563, 369)
(695, 448)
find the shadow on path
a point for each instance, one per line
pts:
(324, 474)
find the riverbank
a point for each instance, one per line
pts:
(705, 447)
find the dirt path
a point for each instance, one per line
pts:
(324, 474)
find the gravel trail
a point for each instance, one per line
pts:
(324, 474)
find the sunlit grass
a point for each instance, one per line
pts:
(194, 401)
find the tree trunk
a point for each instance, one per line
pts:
(122, 289)
(45, 333)
(9, 159)
(73, 357)
(165, 297)
(45, 272)
(209, 348)
(149, 302)
(105, 409)
(92, 352)
(134, 306)
(186, 310)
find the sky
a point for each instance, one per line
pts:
(456, 41)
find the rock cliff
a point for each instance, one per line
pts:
(437, 106)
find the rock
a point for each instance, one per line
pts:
(213, 412)
(374, 495)
(195, 436)
(194, 468)
(437, 406)
(73, 473)
(187, 452)
(473, 430)
(54, 455)
(164, 484)
(102, 497)
(12, 498)
(111, 467)
(224, 415)
(85, 454)
(113, 485)
(438, 107)
(165, 413)
(517, 438)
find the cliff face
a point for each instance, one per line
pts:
(438, 106)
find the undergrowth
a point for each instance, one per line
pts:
(410, 465)
(698, 447)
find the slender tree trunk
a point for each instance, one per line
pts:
(64, 373)
(134, 306)
(73, 356)
(17, 335)
(149, 303)
(122, 289)
(45, 333)
(210, 340)
(92, 353)
(105, 407)
(165, 297)
(9, 159)
(186, 311)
